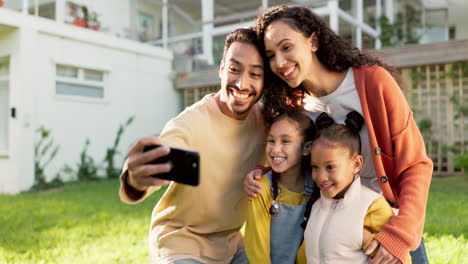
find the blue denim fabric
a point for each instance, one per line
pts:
(187, 261)
(419, 256)
(239, 258)
(286, 233)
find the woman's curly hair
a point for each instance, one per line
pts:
(334, 53)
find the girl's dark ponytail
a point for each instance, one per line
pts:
(323, 121)
(354, 121)
(275, 191)
(312, 199)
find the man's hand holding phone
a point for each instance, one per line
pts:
(140, 168)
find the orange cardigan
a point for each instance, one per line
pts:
(402, 166)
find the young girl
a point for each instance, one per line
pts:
(334, 235)
(321, 72)
(273, 232)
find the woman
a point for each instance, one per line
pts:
(320, 71)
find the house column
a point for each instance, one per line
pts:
(165, 23)
(264, 4)
(333, 7)
(378, 28)
(207, 29)
(60, 11)
(25, 6)
(360, 19)
(389, 11)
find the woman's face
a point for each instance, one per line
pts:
(290, 54)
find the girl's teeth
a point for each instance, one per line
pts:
(278, 159)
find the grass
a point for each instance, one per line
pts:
(87, 223)
(446, 228)
(83, 223)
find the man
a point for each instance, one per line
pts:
(201, 224)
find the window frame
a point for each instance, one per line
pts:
(81, 80)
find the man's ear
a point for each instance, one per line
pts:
(221, 69)
(314, 42)
(358, 161)
(307, 148)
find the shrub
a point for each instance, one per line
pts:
(87, 168)
(44, 152)
(461, 162)
(111, 171)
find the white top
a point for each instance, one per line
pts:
(337, 105)
(334, 232)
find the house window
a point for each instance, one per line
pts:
(79, 82)
(4, 107)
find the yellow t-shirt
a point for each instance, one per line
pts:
(257, 227)
(377, 216)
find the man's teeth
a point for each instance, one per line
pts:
(289, 71)
(240, 95)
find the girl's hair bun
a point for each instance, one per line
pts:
(354, 121)
(324, 121)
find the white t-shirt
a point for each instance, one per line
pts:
(338, 104)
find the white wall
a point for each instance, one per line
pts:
(457, 16)
(139, 84)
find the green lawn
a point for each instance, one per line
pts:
(446, 229)
(86, 223)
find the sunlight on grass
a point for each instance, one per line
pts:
(84, 223)
(447, 249)
(87, 223)
(446, 229)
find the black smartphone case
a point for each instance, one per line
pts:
(185, 166)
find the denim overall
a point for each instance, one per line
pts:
(286, 233)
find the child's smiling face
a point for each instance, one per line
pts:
(333, 167)
(284, 146)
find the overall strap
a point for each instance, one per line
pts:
(269, 176)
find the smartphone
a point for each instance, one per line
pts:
(185, 165)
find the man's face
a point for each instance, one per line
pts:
(241, 74)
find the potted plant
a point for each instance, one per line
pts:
(93, 22)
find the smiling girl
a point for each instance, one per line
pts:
(334, 235)
(273, 232)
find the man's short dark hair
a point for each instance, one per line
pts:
(245, 35)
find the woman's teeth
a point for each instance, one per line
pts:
(286, 73)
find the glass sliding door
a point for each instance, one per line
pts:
(4, 108)
(4, 116)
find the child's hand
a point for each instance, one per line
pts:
(251, 186)
(383, 256)
(366, 235)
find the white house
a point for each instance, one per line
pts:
(79, 83)
(82, 67)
